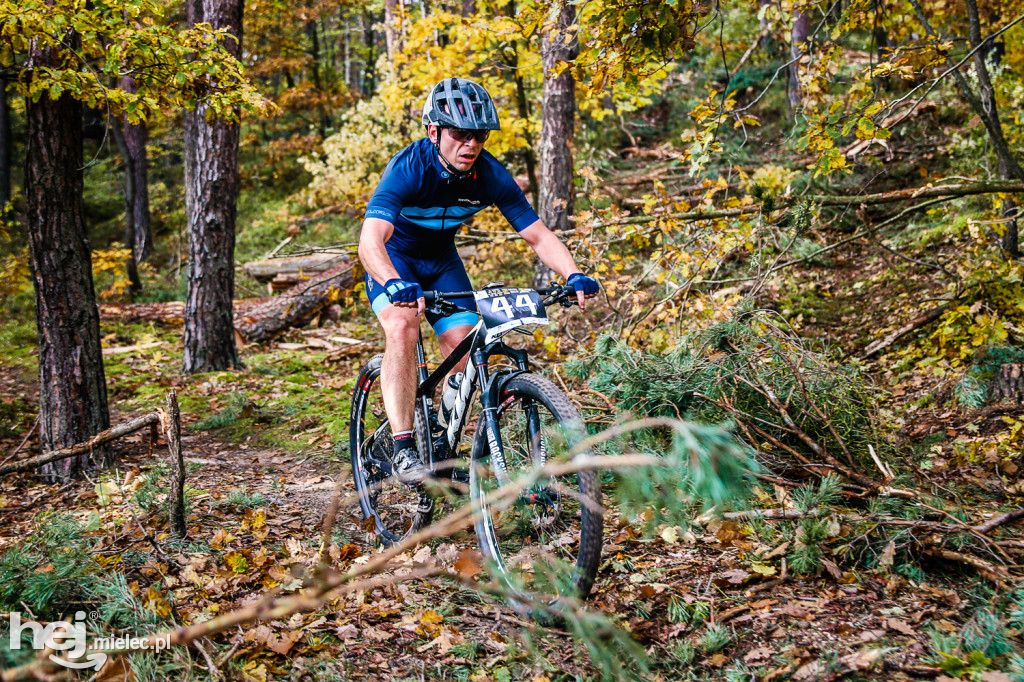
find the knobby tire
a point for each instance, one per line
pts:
(391, 510)
(555, 522)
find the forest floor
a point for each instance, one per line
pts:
(265, 445)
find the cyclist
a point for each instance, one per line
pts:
(407, 242)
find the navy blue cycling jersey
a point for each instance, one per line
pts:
(427, 205)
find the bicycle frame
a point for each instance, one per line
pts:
(476, 372)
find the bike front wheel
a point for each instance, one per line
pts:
(545, 539)
(391, 510)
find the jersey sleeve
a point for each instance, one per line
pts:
(510, 200)
(397, 185)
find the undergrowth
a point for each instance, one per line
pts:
(788, 402)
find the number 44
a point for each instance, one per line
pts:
(522, 301)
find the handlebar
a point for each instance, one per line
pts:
(562, 294)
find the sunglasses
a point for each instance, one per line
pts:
(463, 135)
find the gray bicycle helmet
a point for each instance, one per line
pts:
(460, 103)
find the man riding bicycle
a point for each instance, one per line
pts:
(407, 244)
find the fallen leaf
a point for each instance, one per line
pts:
(283, 643)
(467, 565)
(430, 623)
(670, 535)
(767, 570)
(863, 659)
(347, 633)
(885, 561)
(810, 671)
(422, 555)
(761, 653)
(778, 551)
(377, 635)
(832, 568)
(734, 577)
(718, 660)
(899, 626)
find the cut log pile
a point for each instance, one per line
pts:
(284, 273)
(297, 306)
(321, 279)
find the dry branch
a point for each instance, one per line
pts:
(921, 320)
(82, 448)
(941, 191)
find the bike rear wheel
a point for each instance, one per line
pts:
(546, 541)
(391, 510)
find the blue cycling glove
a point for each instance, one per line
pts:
(400, 291)
(581, 282)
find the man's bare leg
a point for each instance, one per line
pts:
(398, 368)
(451, 338)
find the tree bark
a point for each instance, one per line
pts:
(318, 80)
(801, 32)
(136, 135)
(211, 193)
(369, 79)
(392, 37)
(72, 386)
(176, 491)
(5, 149)
(558, 44)
(129, 197)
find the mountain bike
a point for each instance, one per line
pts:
(525, 422)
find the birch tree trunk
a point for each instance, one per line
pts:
(72, 386)
(211, 194)
(801, 32)
(558, 44)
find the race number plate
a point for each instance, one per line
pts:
(505, 309)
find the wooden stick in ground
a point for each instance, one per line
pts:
(176, 496)
(82, 448)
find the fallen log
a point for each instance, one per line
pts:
(283, 273)
(170, 312)
(295, 307)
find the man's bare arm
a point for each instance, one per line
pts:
(374, 256)
(552, 252)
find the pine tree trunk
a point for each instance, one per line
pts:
(136, 135)
(559, 119)
(72, 386)
(129, 196)
(211, 193)
(5, 148)
(318, 80)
